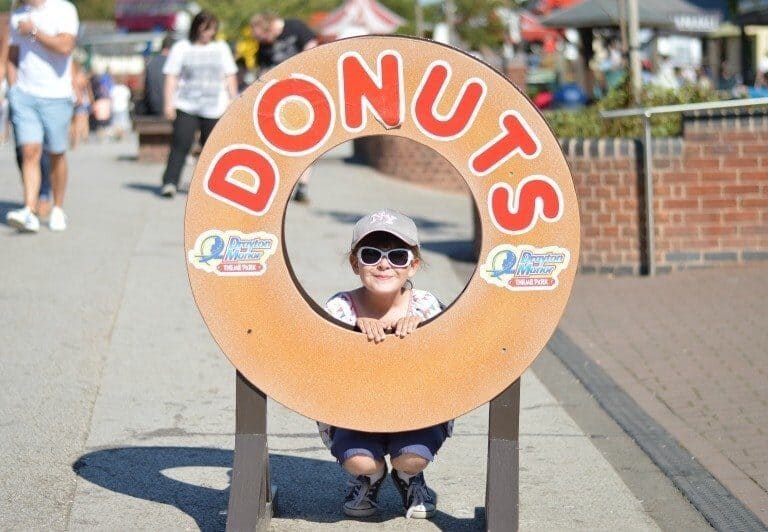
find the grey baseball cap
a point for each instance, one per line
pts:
(388, 221)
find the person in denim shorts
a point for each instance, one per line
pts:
(385, 254)
(43, 34)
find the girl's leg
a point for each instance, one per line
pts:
(206, 126)
(361, 464)
(184, 128)
(410, 453)
(361, 454)
(410, 463)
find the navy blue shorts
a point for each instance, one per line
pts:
(423, 442)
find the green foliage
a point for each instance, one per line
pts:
(234, 14)
(477, 23)
(95, 9)
(86, 9)
(586, 123)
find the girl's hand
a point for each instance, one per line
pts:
(170, 112)
(373, 329)
(407, 325)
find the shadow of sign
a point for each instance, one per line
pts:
(308, 489)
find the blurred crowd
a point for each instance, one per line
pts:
(102, 106)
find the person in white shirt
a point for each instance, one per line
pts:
(120, 95)
(43, 34)
(200, 81)
(666, 77)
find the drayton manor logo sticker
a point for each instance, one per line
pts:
(232, 252)
(525, 267)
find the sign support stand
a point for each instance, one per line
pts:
(252, 499)
(502, 488)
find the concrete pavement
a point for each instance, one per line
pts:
(117, 405)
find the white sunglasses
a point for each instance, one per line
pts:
(398, 257)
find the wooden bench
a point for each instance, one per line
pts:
(155, 134)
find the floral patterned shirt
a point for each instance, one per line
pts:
(423, 304)
(342, 307)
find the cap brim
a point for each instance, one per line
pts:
(408, 241)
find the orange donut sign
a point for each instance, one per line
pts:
(481, 124)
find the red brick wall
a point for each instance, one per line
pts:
(608, 191)
(712, 200)
(410, 161)
(710, 193)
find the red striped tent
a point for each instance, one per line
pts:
(359, 17)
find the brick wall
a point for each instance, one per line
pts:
(410, 161)
(710, 192)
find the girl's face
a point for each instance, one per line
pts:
(383, 277)
(207, 33)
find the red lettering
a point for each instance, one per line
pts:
(535, 197)
(255, 199)
(516, 137)
(268, 121)
(462, 114)
(383, 95)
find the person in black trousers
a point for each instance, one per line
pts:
(200, 81)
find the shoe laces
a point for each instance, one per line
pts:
(361, 491)
(417, 494)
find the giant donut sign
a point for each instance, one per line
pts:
(481, 124)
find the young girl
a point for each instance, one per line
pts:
(385, 254)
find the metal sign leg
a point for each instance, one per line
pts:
(251, 498)
(502, 489)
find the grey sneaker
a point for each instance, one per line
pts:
(419, 501)
(24, 220)
(300, 196)
(168, 190)
(361, 499)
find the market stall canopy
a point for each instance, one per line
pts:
(360, 17)
(676, 15)
(532, 31)
(148, 15)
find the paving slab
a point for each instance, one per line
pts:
(691, 348)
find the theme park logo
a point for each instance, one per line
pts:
(525, 267)
(232, 252)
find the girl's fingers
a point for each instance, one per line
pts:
(380, 331)
(367, 330)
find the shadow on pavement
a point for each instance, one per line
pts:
(308, 489)
(352, 217)
(6, 206)
(459, 250)
(152, 189)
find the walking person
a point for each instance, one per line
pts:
(154, 79)
(81, 128)
(43, 34)
(8, 70)
(280, 39)
(200, 81)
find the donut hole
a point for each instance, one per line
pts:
(344, 186)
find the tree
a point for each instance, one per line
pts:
(95, 9)
(86, 9)
(234, 14)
